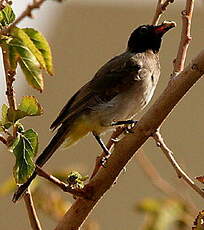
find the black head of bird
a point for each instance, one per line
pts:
(148, 37)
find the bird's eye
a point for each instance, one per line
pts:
(143, 30)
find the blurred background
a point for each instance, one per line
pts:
(83, 35)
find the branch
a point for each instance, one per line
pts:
(9, 79)
(26, 13)
(65, 187)
(160, 8)
(185, 37)
(127, 146)
(169, 154)
(35, 224)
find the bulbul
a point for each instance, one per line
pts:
(120, 88)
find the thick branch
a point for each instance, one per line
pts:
(35, 224)
(127, 146)
(185, 37)
(169, 154)
(160, 8)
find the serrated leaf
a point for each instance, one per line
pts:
(42, 45)
(29, 106)
(7, 16)
(24, 148)
(29, 64)
(27, 42)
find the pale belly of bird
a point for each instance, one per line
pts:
(122, 107)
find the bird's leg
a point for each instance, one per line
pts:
(129, 124)
(103, 146)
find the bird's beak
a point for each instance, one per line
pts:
(164, 27)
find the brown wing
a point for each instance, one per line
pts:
(115, 76)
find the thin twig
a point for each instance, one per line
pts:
(160, 8)
(35, 224)
(9, 79)
(26, 13)
(65, 187)
(169, 154)
(185, 37)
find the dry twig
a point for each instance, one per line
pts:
(26, 13)
(169, 154)
(160, 8)
(185, 37)
(35, 224)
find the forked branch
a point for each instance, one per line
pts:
(160, 8)
(127, 146)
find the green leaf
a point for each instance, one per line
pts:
(76, 180)
(7, 16)
(43, 46)
(28, 62)
(4, 111)
(30, 106)
(27, 42)
(24, 147)
(4, 117)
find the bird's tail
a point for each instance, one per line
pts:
(70, 133)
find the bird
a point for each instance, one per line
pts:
(117, 92)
